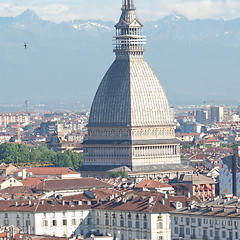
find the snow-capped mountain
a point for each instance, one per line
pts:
(195, 60)
(92, 25)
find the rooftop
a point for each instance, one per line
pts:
(146, 202)
(218, 207)
(71, 184)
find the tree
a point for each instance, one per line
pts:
(120, 173)
(21, 154)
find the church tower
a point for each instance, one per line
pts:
(130, 124)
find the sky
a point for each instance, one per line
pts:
(65, 10)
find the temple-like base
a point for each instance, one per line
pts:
(137, 172)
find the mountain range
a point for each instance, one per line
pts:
(195, 60)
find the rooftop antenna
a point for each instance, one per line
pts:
(26, 103)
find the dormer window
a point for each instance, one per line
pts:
(178, 205)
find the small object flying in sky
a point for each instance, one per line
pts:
(25, 45)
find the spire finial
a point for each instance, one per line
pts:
(128, 4)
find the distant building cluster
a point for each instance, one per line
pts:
(60, 131)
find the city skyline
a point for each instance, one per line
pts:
(63, 10)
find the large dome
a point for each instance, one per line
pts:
(130, 94)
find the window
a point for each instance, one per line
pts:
(5, 222)
(176, 230)
(188, 231)
(45, 223)
(223, 234)
(236, 235)
(114, 222)
(187, 220)
(205, 221)
(217, 233)
(179, 205)
(28, 223)
(199, 222)
(194, 231)
(236, 224)
(211, 221)
(6, 215)
(229, 223)
(64, 222)
(54, 222)
(122, 223)
(181, 232)
(106, 221)
(175, 220)
(181, 219)
(193, 220)
(199, 232)
(64, 214)
(159, 224)
(145, 225)
(73, 222)
(18, 222)
(211, 233)
(204, 232)
(129, 224)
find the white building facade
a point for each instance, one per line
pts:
(217, 219)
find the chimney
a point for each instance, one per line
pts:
(24, 173)
(63, 202)
(166, 196)
(29, 202)
(16, 204)
(79, 203)
(189, 195)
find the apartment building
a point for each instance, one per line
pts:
(217, 219)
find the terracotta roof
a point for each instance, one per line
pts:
(50, 171)
(146, 202)
(70, 184)
(14, 190)
(3, 234)
(31, 181)
(3, 179)
(49, 205)
(152, 184)
(20, 236)
(211, 139)
(5, 166)
(198, 156)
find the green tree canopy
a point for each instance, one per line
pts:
(20, 154)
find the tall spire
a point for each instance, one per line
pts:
(129, 38)
(128, 4)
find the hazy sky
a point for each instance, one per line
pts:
(62, 10)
